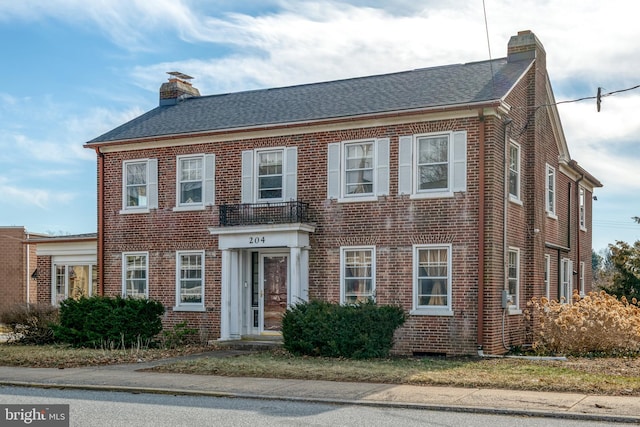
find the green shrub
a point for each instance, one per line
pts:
(179, 336)
(30, 323)
(598, 324)
(109, 322)
(355, 331)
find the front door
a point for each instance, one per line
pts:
(273, 291)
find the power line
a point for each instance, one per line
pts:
(598, 97)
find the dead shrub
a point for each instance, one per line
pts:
(598, 324)
(30, 323)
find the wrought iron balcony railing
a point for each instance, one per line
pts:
(263, 213)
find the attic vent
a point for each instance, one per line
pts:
(177, 88)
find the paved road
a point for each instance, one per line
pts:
(106, 409)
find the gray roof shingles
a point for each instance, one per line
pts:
(422, 88)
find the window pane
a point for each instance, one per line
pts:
(359, 168)
(191, 172)
(191, 192)
(191, 279)
(191, 169)
(137, 173)
(433, 277)
(270, 175)
(136, 275)
(136, 184)
(358, 275)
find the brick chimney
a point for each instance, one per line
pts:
(525, 45)
(177, 88)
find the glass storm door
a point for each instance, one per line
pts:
(273, 292)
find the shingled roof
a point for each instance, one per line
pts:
(451, 85)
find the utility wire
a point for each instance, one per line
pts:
(486, 30)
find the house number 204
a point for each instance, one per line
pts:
(256, 240)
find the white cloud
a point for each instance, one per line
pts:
(19, 196)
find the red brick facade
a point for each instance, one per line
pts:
(17, 263)
(393, 224)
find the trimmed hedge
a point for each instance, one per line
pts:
(109, 322)
(355, 331)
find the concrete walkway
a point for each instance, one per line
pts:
(130, 378)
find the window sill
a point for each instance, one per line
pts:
(188, 308)
(514, 311)
(515, 200)
(551, 215)
(134, 211)
(357, 199)
(583, 229)
(434, 195)
(189, 208)
(431, 312)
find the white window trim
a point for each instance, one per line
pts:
(344, 249)
(516, 198)
(547, 278)
(426, 194)
(432, 311)
(149, 184)
(551, 213)
(336, 173)
(186, 306)
(256, 176)
(514, 307)
(208, 183)
(124, 271)
(582, 208)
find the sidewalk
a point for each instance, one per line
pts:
(129, 378)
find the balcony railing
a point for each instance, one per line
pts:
(263, 213)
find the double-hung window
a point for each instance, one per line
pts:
(582, 284)
(358, 274)
(135, 275)
(432, 279)
(358, 170)
(582, 202)
(195, 181)
(550, 205)
(514, 278)
(190, 280)
(139, 185)
(514, 172)
(432, 165)
(269, 175)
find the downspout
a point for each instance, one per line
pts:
(505, 248)
(481, 225)
(100, 242)
(569, 221)
(578, 224)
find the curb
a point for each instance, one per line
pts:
(578, 416)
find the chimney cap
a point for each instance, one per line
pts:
(179, 75)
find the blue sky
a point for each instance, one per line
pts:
(72, 70)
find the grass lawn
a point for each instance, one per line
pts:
(611, 376)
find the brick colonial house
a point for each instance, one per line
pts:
(447, 190)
